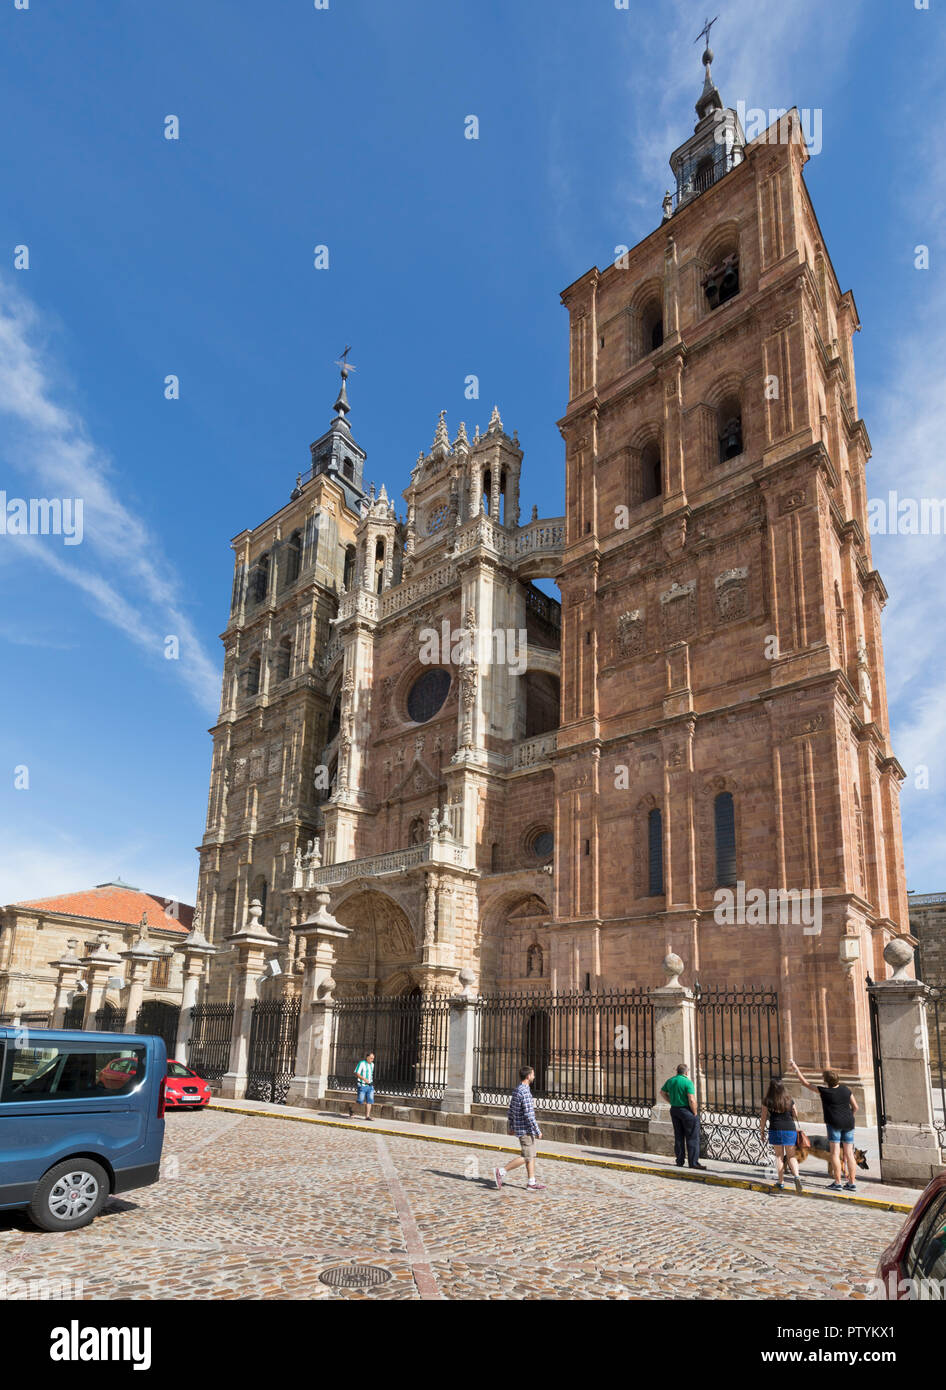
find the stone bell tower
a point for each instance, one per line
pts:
(724, 716)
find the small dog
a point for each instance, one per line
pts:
(820, 1148)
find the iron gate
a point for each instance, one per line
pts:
(406, 1032)
(738, 1052)
(272, 1059)
(936, 1018)
(108, 1019)
(878, 1068)
(159, 1018)
(74, 1015)
(208, 1051)
(592, 1053)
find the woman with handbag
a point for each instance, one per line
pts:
(779, 1113)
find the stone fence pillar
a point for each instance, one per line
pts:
(197, 949)
(458, 1092)
(99, 966)
(322, 935)
(140, 959)
(253, 944)
(674, 1042)
(70, 969)
(911, 1152)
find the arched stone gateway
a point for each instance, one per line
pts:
(515, 946)
(382, 954)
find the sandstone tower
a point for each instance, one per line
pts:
(724, 714)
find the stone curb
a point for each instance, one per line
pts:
(685, 1175)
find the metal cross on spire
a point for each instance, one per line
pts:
(343, 361)
(705, 31)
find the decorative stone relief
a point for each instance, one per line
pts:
(678, 610)
(732, 594)
(631, 633)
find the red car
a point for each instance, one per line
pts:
(913, 1267)
(184, 1087)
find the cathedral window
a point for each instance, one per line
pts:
(729, 429)
(284, 659)
(253, 675)
(348, 576)
(437, 519)
(261, 579)
(161, 972)
(542, 843)
(655, 853)
(725, 825)
(651, 472)
(379, 565)
(293, 557)
(652, 322)
(348, 468)
(722, 282)
(427, 695)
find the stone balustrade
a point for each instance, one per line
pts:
(396, 862)
(533, 752)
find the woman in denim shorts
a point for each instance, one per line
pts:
(778, 1110)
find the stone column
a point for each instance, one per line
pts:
(458, 1093)
(253, 943)
(197, 949)
(911, 1151)
(674, 1042)
(99, 965)
(140, 959)
(70, 969)
(322, 935)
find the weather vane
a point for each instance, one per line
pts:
(705, 31)
(343, 361)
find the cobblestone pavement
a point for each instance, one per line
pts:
(258, 1208)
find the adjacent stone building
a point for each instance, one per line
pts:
(46, 944)
(555, 797)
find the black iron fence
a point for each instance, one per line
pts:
(74, 1015)
(274, 1033)
(208, 1051)
(591, 1052)
(159, 1018)
(109, 1019)
(878, 1061)
(406, 1033)
(936, 1019)
(738, 1052)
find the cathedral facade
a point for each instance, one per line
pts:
(690, 753)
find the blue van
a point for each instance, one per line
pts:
(81, 1117)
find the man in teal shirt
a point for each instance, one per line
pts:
(680, 1094)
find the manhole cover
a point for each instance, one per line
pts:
(355, 1276)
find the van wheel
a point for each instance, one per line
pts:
(69, 1196)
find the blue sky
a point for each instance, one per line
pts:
(345, 127)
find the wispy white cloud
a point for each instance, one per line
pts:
(120, 568)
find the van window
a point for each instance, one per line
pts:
(67, 1072)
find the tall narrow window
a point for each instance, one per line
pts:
(651, 472)
(284, 659)
(729, 429)
(379, 565)
(253, 673)
(725, 816)
(261, 579)
(348, 577)
(293, 557)
(655, 853)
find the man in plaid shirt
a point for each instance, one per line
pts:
(522, 1123)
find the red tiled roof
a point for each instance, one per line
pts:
(113, 904)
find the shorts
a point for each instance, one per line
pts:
(365, 1093)
(840, 1136)
(527, 1144)
(783, 1136)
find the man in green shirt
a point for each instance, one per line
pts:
(680, 1094)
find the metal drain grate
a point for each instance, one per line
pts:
(355, 1276)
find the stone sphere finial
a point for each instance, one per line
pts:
(673, 968)
(898, 953)
(256, 912)
(327, 989)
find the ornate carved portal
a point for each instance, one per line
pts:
(382, 955)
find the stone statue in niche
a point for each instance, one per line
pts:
(534, 961)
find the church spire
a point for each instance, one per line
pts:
(710, 100)
(341, 406)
